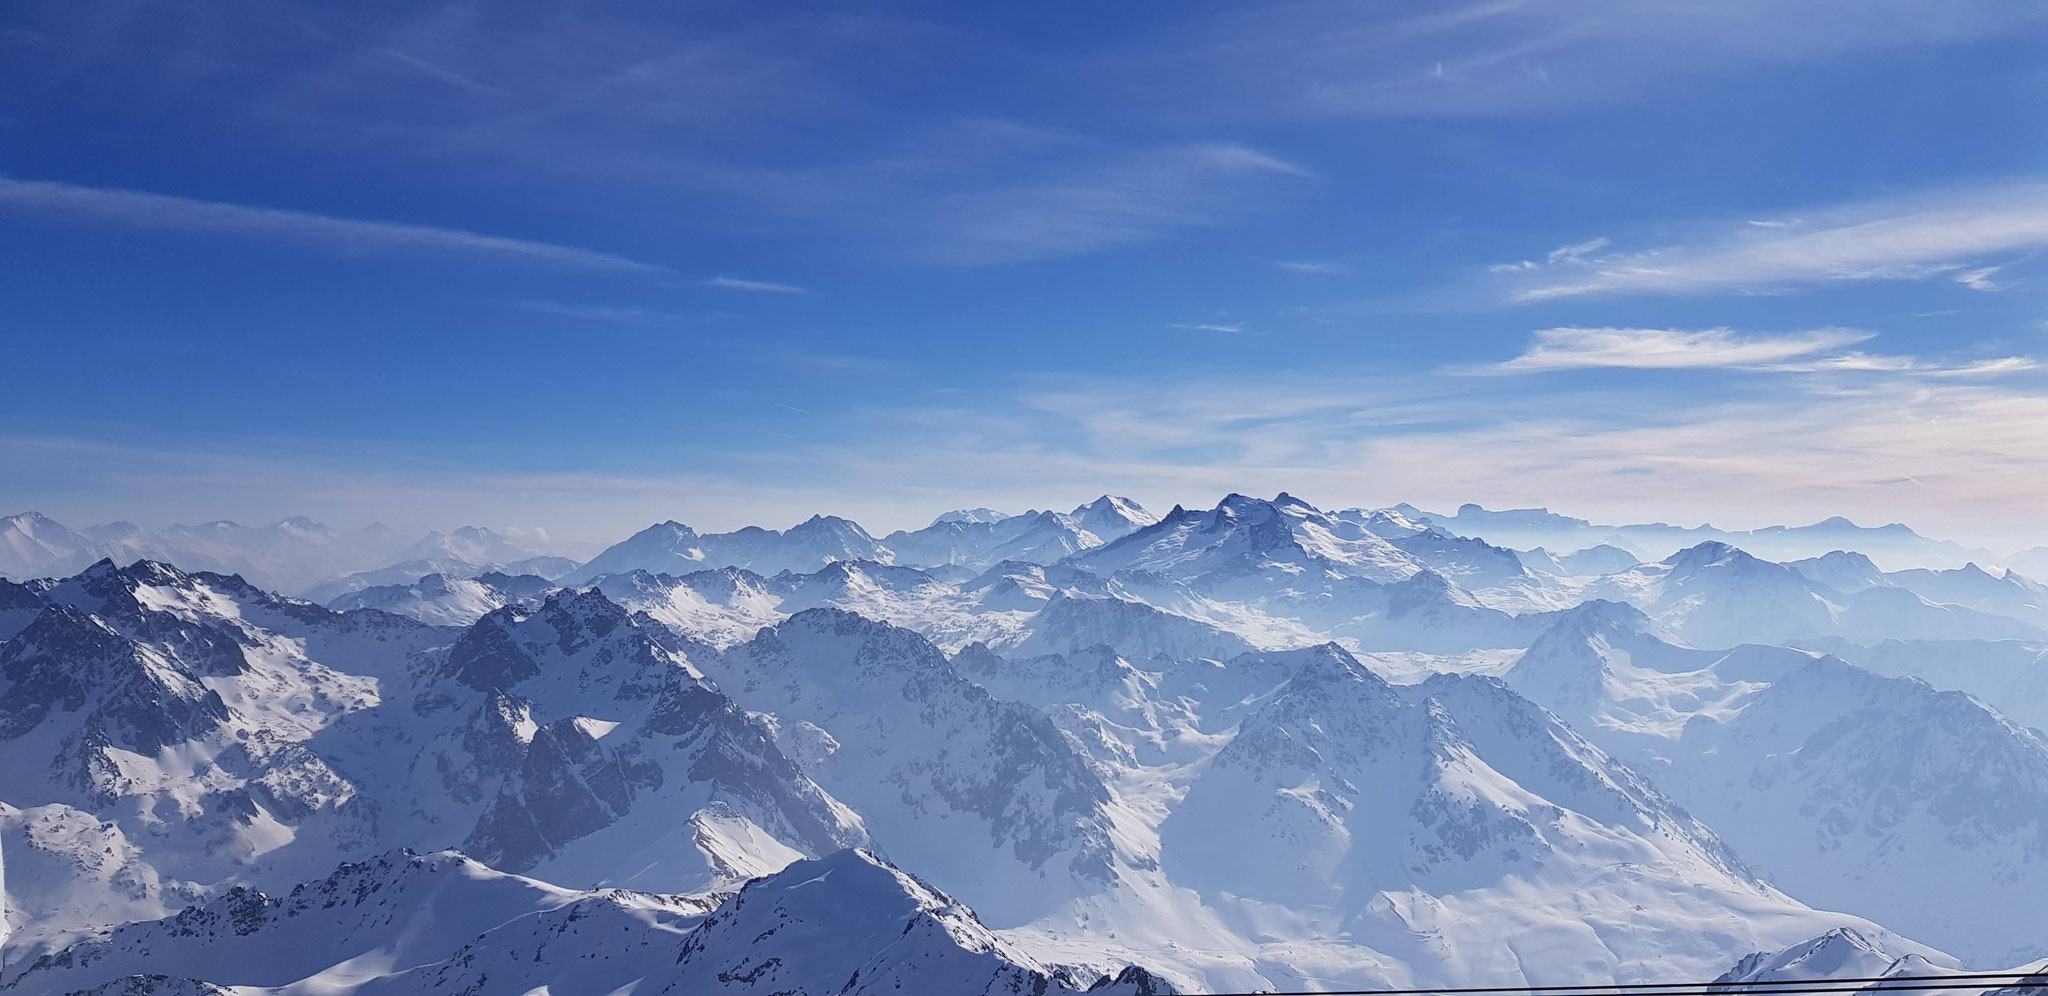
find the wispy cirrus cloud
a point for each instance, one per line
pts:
(140, 209)
(978, 192)
(1324, 268)
(1100, 199)
(1980, 278)
(1576, 252)
(1855, 362)
(679, 113)
(1986, 368)
(1940, 234)
(754, 286)
(616, 314)
(1323, 58)
(765, 124)
(1668, 349)
(1811, 351)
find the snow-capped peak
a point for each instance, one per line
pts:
(850, 923)
(1841, 953)
(1111, 517)
(673, 548)
(1244, 535)
(975, 515)
(361, 929)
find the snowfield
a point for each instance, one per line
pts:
(1256, 746)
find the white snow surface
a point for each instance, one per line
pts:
(445, 600)
(1258, 746)
(404, 923)
(1845, 955)
(1845, 787)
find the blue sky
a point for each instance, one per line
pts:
(587, 266)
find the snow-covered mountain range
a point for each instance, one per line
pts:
(972, 539)
(408, 923)
(1260, 745)
(445, 600)
(1843, 786)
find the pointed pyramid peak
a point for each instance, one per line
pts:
(664, 528)
(587, 601)
(852, 921)
(153, 572)
(1327, 667)
(830, 523)
(1334, 654)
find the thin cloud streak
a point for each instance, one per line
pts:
(1817, 351)
(1980, 279)
(1109, 199)
(754, 286)
(600, 312)
(1880, 363)
(1318, 59)
(698, 121)
(684, 118)
(1990, 368)
(1913, 239)
(1667, 349)
(349, 235)
(1317, 268)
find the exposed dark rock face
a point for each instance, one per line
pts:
(68, 662)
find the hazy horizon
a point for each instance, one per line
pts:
(587, 269)
(550, 538)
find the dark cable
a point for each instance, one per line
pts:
(1986, 980)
